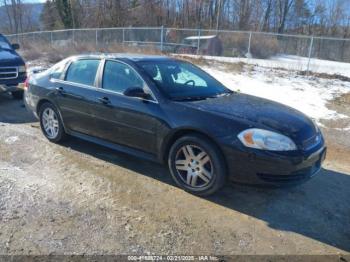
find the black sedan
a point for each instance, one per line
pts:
(170, 111)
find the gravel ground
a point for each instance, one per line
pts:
(79, 198)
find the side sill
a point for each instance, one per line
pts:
(117, 147)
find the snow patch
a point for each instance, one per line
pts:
(308, 95)
(12, 139)
(289, 62)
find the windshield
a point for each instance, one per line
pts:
(4, 44)
(183, 81)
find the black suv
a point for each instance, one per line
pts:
(12, 69)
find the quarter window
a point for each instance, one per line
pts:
(57, 70)
(83, 72)
(118, 77)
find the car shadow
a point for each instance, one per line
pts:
(13, 111)
(318, 209)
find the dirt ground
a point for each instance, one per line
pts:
(79, 198)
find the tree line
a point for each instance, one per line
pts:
(311, 17)
(17, 17)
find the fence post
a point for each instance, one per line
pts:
(199, 41)
(161, 38)
(51, 38)
(96, 38)
(310, 53)
(249, 44)
(123, 36)
(73, 37)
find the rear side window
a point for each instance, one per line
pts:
(118, 77)
(83, 71)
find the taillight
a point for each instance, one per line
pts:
(26, 84)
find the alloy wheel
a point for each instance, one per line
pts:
(50, 123)
(194, 166)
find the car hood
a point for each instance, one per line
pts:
(260, 113)
(10, 58)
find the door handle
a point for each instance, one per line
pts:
(104, 100)
(60, 90)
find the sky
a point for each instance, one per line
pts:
(29, 1)
(34, 1)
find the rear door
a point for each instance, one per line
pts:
(121, 119)
(76, 95)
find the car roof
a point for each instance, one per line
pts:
(125, 56)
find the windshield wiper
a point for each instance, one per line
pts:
(190, 98)
(222, 94)
(195, 98)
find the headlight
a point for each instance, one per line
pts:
(266, 140)
(22, 69)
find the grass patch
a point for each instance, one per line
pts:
(325, 76)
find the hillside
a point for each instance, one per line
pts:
(33, 12)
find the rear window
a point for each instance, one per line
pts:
(83, 71)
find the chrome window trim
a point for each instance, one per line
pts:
(53, 80)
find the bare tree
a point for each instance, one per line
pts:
(18, 16)
(283, 10)
(295, 16)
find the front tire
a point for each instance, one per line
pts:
(197, 165)
(17, 94)
(51, 124)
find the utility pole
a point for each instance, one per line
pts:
(218, 16)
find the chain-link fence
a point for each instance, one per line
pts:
(276, 50)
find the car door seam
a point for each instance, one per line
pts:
(108, 120)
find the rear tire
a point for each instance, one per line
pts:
(197, 165)
(17, 94)
(51, 123)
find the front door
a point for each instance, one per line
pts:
(125, 120)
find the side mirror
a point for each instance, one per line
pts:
(137, 92)
(15, 46)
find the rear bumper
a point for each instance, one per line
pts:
(272, 168)
(30, 103)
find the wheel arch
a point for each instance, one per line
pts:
(175, 135)
(40, 103)
(46, 100)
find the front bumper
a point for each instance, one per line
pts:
(11, 85)
(6, 88)
(262, 167)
